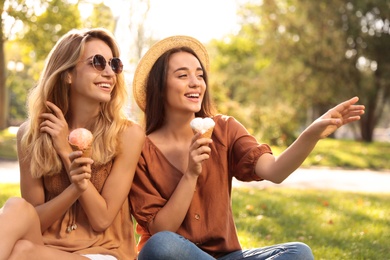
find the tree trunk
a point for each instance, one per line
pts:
(3, 87)
(368, 121)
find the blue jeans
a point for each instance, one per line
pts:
(170, 246)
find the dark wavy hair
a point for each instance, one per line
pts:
(156, 88)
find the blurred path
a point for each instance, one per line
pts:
(336, 179)
(312, 178)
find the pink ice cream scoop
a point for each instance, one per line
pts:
(81, 140)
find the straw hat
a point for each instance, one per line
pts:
(147, 61)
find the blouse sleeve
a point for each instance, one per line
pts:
(144, 198)
(244, 151)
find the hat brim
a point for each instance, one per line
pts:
(147, 61)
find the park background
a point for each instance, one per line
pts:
(276, 65)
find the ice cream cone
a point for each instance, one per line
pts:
(208, 133)
(87, 152)
(204, 126)
(81, 139)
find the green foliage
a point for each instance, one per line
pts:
(45, 29)
(285, 53)
(102, 17)
(336, 225)
(44, 22)
(7, 191)
(8, 144)
(18, 81)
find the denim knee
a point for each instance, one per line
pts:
(162, 245)
(303, 251)
(169, 245)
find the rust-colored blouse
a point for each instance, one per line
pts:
(209, 220)
(118, 240)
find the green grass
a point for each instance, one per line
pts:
(347, 154)
(336, 225)
(8, 190)
(8, 144)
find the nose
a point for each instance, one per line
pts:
(108, 72)
(194, 82)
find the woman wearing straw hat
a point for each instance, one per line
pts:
(181, 194)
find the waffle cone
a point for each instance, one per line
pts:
(206, 134)
(86, 152)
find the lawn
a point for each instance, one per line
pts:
(347, 154)
(336, 225)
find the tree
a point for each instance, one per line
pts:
(39, 25)
(287, 55)
(13, 14)
(43, 31)
(3, 88)
(368, 29)
(102, 17)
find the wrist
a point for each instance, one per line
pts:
(190, 179)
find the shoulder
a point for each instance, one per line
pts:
(224, 121)
(22, 130)
(132, 132)
(227, 129)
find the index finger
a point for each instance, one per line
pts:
(74, 155)
(351, 101)
(346, 104)
(56, 110)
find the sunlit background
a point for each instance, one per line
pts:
(276, 65)
(203, 19)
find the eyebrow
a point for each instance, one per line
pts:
(186, 68)
(89, 58)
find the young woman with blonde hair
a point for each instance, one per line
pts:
(81, 202)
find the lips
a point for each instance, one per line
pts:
(104, 85)
(192, 95)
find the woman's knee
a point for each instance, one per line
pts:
(164, 245)
(18, 205)
(20, 214)
(163, 241)
(303, 251)
(23, 249)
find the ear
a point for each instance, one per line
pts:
(69, 78)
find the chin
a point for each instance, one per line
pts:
(104, 100)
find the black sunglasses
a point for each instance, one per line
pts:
(99, 63)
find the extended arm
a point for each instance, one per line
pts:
(278, 169)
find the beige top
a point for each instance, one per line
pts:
(118, 240)
(209, 220)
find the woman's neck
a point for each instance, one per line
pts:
(175, 128)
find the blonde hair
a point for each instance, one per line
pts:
(52, 86)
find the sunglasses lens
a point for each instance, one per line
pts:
(116, 65)
(99, 62)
